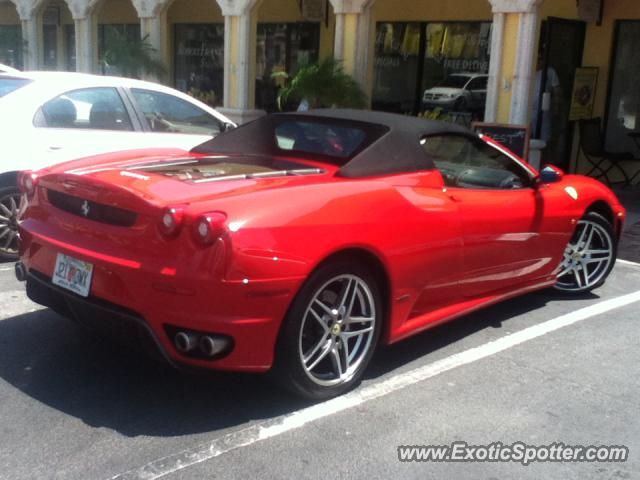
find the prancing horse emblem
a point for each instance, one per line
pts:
(85, 208)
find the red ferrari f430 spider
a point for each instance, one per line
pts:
(299, 242)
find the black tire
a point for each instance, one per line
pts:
(604, 238)
(299, 324)
(9, 240)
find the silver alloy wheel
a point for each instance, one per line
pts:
(337, 330)
(12, 207)
(586, 259)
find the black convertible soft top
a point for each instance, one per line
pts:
(391, 144)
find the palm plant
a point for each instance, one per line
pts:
(322, 84)
(132, 57)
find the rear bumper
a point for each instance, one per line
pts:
(142, 302)
(120, 324)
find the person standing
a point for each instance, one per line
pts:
(545, 103)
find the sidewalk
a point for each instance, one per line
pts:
(629, 248)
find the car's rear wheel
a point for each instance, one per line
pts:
(589, 256)
(12, 206)
(330, 332)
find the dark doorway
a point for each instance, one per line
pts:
(561, 50)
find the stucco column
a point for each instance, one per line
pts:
(28, 12)
(85, 25)
(240, 31)
(512, 67)
(353, 37)
(153, 27)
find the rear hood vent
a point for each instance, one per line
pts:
(219, 168)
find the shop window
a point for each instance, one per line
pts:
(108, 36)
(50, 46)
(50, 23)
(199, 61)
(11, 46)
(624, 100)
(429, 66)
(282, 47)
(70, 47)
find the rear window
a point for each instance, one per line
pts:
(8, 85)
(319, 138)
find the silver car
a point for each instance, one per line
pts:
(460, 92)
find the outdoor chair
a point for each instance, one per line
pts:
(603, 162)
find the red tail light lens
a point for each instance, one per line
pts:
(27, 182)
(209, 227)
(171, 221)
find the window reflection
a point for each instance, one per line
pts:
(624, 101)
(427, 66)
(199, 61)
(11, 46)
(282, 47)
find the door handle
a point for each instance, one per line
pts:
(53, 148)
(455, 198)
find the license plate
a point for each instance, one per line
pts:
(73, 274)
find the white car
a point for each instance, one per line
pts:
(460, 92)
(51, 117)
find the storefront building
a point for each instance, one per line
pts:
(507, 61)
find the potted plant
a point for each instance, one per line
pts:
(131, 57)
(321, 84)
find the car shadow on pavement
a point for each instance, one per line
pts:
(49, 359)
(106, 385)
(434, 339)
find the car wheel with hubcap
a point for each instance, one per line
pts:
(330, 332)
(589, 256)
(12, 207)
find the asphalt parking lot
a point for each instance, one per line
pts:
(539, 369)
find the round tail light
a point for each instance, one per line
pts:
(171, 221)
(209, 227)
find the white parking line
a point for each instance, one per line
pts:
(285, 423)
(627, 262)
(6, 269)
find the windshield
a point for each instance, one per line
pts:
(454, 81)
(8, 85)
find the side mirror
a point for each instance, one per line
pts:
(228, 126)
(550, 174)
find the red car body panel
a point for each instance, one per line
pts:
(443, 251)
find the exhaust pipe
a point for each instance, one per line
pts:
(185, 341)
(210, 346)
(21, 272)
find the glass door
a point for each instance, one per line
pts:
(561, 49)
(623, 108)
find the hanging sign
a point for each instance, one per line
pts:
(584, 93)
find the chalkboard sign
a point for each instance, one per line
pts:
(514, 137)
